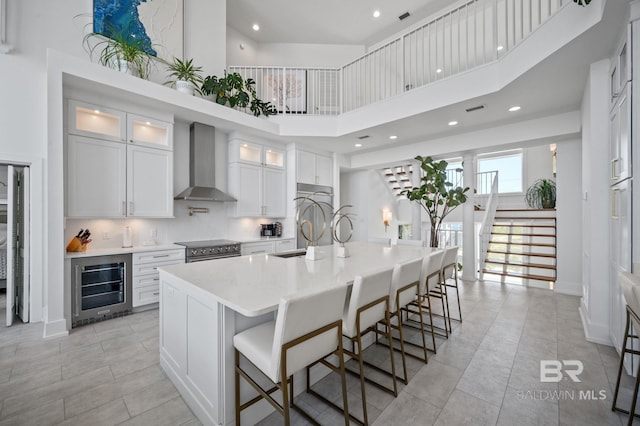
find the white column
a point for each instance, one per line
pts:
(416, 210)
(468, 222)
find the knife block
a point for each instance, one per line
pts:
(75, 245)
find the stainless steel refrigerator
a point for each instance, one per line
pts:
(318, 214)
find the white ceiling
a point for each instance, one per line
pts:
(326, 21)
(555, 85)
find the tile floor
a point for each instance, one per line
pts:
(487, 372)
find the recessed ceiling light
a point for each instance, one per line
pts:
(358, 145)
(453, 123)
(256, 27)
(376, 13)
(500, 48)
(439, 70)
(393, 137)
(97, 111)
(514, 108)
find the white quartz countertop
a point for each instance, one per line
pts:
(120, 250)
(253, 285)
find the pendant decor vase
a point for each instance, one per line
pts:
(305, 226)
(185, 87)
(339, 216)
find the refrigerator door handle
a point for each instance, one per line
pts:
(614, 199)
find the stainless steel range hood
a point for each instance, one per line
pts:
(202, 176)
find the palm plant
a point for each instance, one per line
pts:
(437, 196)
(184, 71)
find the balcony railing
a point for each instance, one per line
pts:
(467, 35)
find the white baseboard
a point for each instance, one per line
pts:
(57, 328)
(595, 333)
(568, 287)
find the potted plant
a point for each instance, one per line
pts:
(184, 76)
(541, 194)
(234, 91)
(126, 54)
(437, 196)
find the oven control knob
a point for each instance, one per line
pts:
(194, 252)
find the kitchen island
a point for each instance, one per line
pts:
(203, 305)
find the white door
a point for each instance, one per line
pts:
(149, 182)
(324, 170)
(17, 243)
(11, 226)
(96, 178)
(306, 167)
(274, 194)
(22, 246)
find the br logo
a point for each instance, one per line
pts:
(551, 370)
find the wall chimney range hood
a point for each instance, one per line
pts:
(202, 176)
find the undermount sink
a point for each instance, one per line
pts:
(287, 254)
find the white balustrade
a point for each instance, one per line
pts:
(467, 35)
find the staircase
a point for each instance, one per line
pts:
(522, 248)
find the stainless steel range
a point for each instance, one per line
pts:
(198, 251)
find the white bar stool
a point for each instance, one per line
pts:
(404, 287)
(429, 280)
(307, 328)
(631, 289)
(368, 304)
(449, 267)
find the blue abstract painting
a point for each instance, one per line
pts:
(112, 17)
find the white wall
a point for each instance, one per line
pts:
(569, 217)
(594, 306)
(367, 192)
(288, 54)
(32, 27)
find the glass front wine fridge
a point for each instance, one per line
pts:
(101, 288)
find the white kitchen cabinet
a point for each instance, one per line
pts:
(314, 168)
(96, 121)
(118, 164)
(266, 247)
(620, 137)
(149, 182)
(620, 73)
(149, 132)
(260, 190)
(146, 289)
(284, 245)
(96, 178)
(241, 151)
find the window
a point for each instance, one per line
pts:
(509, 167)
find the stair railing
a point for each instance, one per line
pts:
(487, 223)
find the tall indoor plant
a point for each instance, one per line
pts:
(437, 196)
